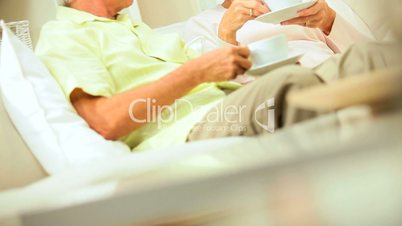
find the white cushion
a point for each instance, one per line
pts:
(48, 123)
(374, 14)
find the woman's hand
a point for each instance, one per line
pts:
(239, 12)
(320, 15)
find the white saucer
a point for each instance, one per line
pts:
(275, 17)
(262, 69)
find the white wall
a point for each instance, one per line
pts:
(36, 11)
(157, 13)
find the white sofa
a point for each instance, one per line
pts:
(18, 167)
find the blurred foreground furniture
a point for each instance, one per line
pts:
(373, 89)
(329, 182)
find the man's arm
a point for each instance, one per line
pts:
(110, 117)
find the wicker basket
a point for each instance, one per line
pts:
(21, 29)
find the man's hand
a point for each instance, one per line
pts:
(320, 15)
(239, 12)
(220, 65)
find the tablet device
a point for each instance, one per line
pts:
(276, 17)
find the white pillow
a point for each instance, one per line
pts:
(48, 123)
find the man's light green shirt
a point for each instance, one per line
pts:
(106, 57)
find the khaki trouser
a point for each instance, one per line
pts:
(258, 107)
(261, 106)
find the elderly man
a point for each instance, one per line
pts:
(148, 90)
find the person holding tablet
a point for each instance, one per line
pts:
(324, 31)
(336, 20)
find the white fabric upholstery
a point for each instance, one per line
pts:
(374, 14)
(56, 135)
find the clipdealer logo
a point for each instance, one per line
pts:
(268, 106)
(220, 117)
(160, 114)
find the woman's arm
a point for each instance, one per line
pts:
(337, 21)
(348, 27)
(238, 13)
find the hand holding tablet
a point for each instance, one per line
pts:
(320, 15)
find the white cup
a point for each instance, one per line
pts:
(275, 5)
(269, 50)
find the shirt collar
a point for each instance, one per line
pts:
(80, 17)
